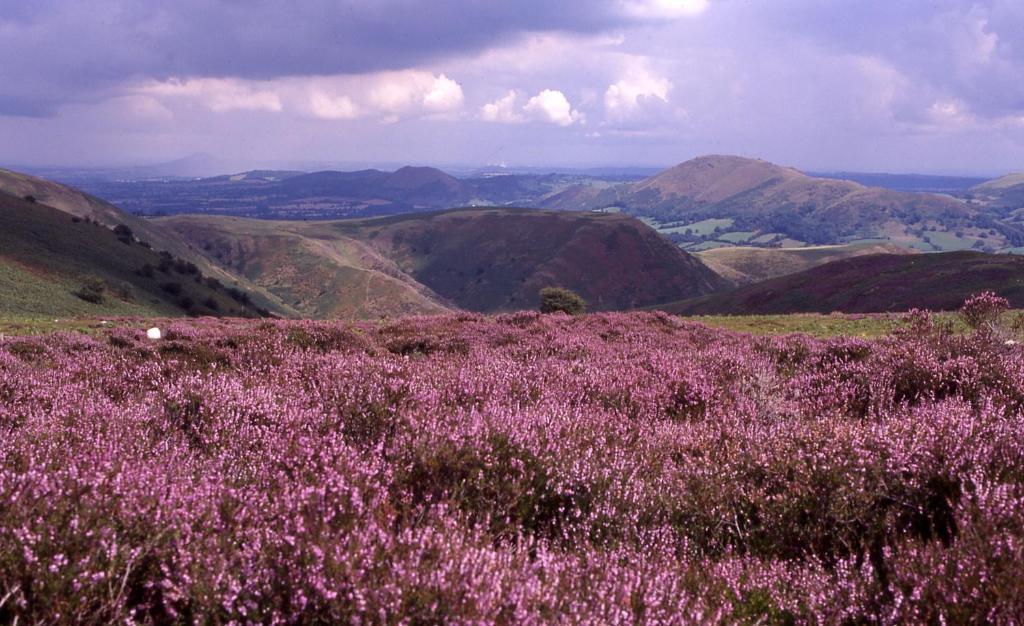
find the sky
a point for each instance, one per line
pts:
(929, 86)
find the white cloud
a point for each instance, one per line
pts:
(444, 95)
(552, 106)
(399, 92)
(218, 94)
(504, 110)
(330, 107)
(950, 113)
(389, 96)
(625, 97)
(664, 9)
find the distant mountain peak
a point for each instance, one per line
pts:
(412, 177)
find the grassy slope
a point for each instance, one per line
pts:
(479, 259)
(871, 283)
(80, 204)
(746, 266)
(45, 256)
(314, 269)
(492, 259)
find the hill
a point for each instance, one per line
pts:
(55, 264)
(1003, 196)
(84, 206)
(747, 265)
(492, 259)
(873, 283)
(755, 199)
(498, 259)
(318, 272)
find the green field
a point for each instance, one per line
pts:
(739, 236)
(701, 228)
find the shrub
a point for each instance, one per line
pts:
(91, 290)
(30, 198)
(984, 310)
(123, 233)
(173, 289)
(554, 299)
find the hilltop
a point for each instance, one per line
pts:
(873, 283)
(753, 201)
(480, 259)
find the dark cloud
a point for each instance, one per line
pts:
(972, 50)
(73, 50)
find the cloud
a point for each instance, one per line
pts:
(444, 95)
(58, 52)
(330, 107)
(665, 8)
(218, 94)
(552, 106)
(385, 95)
(625, 97)
(504, 110)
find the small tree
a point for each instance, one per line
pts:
(123, 233)
(553, 299)
(92, 289)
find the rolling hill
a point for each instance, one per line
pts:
(1004, 194)
(873, 283)
(318, 272)
(747, 265)
(493, 259)
(84, 206)
(52, 263)
(758, 198)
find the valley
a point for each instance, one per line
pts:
(684, 239)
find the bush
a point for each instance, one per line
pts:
(554, 299)
(173, 289)
(984, 310)
(123, 233)
(91, 290)
(30, 198)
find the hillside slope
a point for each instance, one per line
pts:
(55, 264)
(499, 259)
(1004, 195)
(82, 205)
(747, 265)
(317, 271)
(476, 259)
(874, 283)
(760, 197)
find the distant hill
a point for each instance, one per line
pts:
(874, 283)
(747, 265)
(922, 183)
(481, 259)
(52, 263)
(330, 194)
(1005, 195)
(759, 197)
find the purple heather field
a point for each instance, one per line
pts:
(520, 469)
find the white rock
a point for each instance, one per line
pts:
(1009, 342)
(153, 333)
